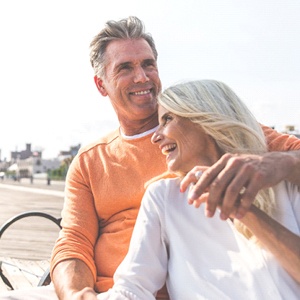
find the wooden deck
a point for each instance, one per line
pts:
(21, 273)
(26, 246)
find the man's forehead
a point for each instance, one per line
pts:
(126, 51)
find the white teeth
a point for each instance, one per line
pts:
(166, 149)
(142, 92)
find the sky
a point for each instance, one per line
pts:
(48, 97)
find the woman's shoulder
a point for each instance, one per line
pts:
(162, 189)
(163, 176)
(165, 183)
(160, 195)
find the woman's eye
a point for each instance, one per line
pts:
(167, 119)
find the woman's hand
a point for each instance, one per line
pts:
(234, 181)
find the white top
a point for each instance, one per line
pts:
(200, 257)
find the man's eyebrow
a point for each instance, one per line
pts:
(128, 63)
(149, 60)
(123, 64)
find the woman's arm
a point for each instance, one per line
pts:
(277, 239)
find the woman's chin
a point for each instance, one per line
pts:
(172, 169)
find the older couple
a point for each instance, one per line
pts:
(105, 183)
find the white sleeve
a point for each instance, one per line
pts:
(143, 271)
(287, 211)
(294, 192)
(115, 295)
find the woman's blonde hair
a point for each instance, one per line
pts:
(223, 116)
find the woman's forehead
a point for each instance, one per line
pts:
(161, 110)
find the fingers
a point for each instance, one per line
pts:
(230, 188)
(219, 183)
(202, 199)
(234, 188)
(216, 178)
(198, 192)
(248, 196)
(232, 182)
(190, 178)
(245, 185)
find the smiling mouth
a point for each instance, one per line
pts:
(168, 148)
(139, 93)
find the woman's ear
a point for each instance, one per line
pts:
(100, 87)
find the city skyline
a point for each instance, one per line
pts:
(28, 151)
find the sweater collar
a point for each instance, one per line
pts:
(137, 136)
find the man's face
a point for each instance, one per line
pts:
(131, 81)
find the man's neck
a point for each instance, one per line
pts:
(139, 135)
(130, 128)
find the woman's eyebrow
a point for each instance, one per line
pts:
(163, 116)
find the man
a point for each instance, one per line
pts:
(105, 182)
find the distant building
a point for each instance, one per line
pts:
(24, 154)
(28, 163)
(35, 165)
(69, 153)
(290, 129)
(3, 166)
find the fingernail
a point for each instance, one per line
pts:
(223, 216)
(208, 213)
(193, 196)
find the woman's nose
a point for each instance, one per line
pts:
(156, 137)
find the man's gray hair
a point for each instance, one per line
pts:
(128, 28)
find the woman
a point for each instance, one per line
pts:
(256, 257)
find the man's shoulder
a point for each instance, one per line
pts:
(103, 141)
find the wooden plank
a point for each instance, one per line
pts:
(31, 270)
(31, 239)
(14, 275)
(3, 286)
(23, 273)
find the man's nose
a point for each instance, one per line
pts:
(140, 75)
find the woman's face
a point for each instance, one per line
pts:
(184, 143)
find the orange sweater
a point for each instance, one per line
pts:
(104, 188)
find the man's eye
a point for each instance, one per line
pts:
(149, 63)
(125, 67)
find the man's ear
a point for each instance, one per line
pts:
(100, 87)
